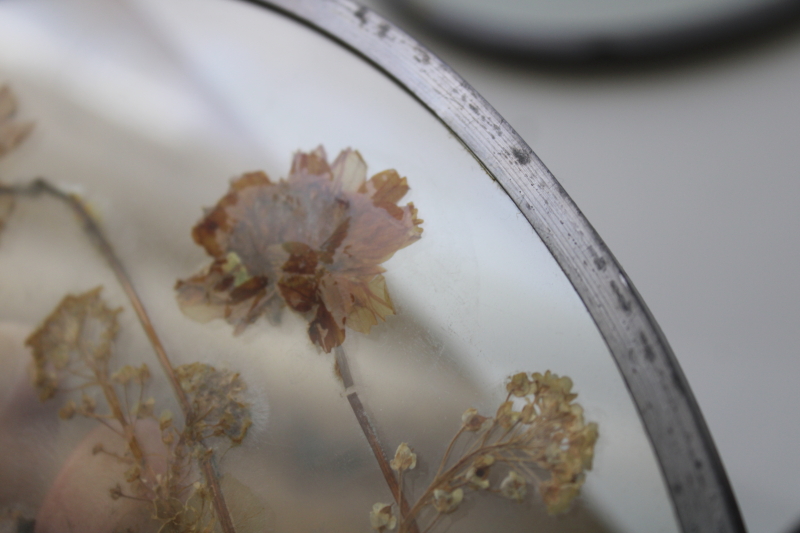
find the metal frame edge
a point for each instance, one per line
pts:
(702, 497)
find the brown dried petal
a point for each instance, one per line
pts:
(360, 303)
(324, 331)
(299, 292)
(349, 170)
(310, 164)
(302, 258)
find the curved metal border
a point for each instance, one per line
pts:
(702, 497)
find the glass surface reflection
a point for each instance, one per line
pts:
(146, 110)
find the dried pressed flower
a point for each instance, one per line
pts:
(80, 331)
(558, 496)
(528, 413)
(447, 501)
(513, 486)
(313, 242)
(478, 473)
(519, 385)
(381, 517)
(547, 444)
(218, 403)
(506, 416)
(404, 458)
(472, 421)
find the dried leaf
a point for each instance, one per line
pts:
(80, 331)
(12, 132)
(313, 242)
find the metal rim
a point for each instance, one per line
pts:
(695, 477)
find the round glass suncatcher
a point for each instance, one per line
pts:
(251, 284)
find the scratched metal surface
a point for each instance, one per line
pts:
(700, 490)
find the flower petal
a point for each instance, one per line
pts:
(349, 170)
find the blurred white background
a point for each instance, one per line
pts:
(690, 171)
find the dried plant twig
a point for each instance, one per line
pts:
(93, 230)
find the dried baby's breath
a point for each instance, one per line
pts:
(513, 486)
(404, 458)
(381, 517)
(546, 443)
(446, 501)
(73, 349)
(217, 398)
(472, 420)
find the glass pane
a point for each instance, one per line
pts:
(147, 110)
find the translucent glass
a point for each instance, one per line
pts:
(147, 109)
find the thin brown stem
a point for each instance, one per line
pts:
(447, 452)
(383, 463)
(41, 186)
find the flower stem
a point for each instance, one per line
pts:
(41, 186)
(343, 371)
